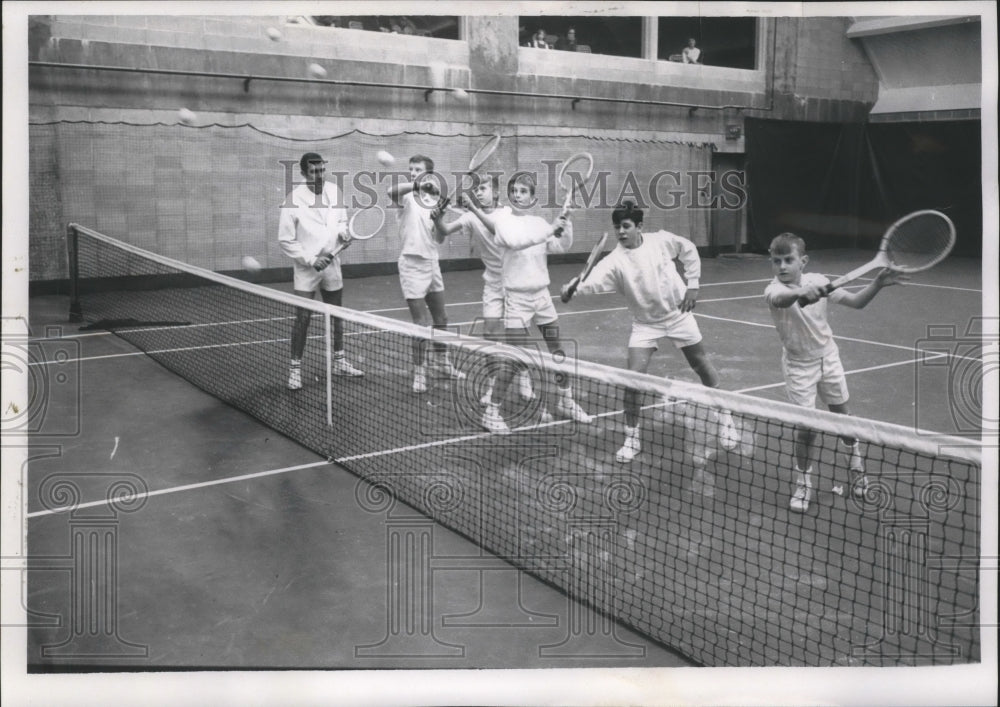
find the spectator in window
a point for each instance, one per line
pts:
(691, 53)
(570, 44)
(538, 40)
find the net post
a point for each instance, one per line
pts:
(73, 257)
(329, 369)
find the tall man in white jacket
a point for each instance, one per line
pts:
(312, 221)
(642, 269)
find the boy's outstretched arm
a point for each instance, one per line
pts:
(398, 189)
(474, 207)
(861, 298)
(809, 294)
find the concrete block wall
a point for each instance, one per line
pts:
(820, 74)
(488, 58)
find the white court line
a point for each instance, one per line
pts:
(478, 302)
(177, 489)
(171, 327)
(396, 450)
(383, 311)
(844, 338)
(468, 323)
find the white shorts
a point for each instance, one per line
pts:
(307, 279)
(419, 276)
(682, 329)
(493, 299)
(804, 378)
(521, 309)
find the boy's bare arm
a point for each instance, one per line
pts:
(861, 298)
(786, 298)
(399, 189)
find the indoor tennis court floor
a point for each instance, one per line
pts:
(245, 550)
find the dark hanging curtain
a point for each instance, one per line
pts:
(840, 185)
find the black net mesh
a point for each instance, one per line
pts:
(692, 543)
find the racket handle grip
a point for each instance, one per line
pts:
(330, 254)
(567, 293)
(827, 289)
(559, 229)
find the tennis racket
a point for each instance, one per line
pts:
(478, 159)
(576, 170)
(364, 224)
(595, 255)
(914, 243)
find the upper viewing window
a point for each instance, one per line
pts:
(618, 36)
(714, 41)
(440, 26)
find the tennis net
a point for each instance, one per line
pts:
(692, 544)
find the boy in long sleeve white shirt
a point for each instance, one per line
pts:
(810, 359)
(311, 223)
(485, 204)
(642, 269)
(526, 241)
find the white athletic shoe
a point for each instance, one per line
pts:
(851, 458)
(631, 447)
(524, 386)
(420, 379)
(342, 367)
(493, 422)
(729, 436)
(545, 417)
(803, 492)
(295, 377)
(567, 407)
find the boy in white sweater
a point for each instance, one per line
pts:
(485, 204)
(526, 242)
(642, 269)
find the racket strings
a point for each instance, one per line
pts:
(920, 242)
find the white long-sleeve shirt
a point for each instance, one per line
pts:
(804, 331)
(485, 242)
(309, 222)
(526, 243)
(647, 276)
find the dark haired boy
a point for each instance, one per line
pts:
(642, 269)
